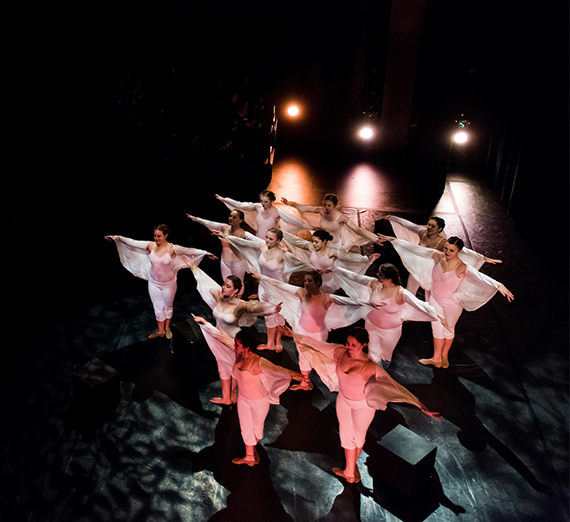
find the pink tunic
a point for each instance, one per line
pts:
(388, 316)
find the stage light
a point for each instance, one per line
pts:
(460, 137)
(293, 110)
(366, 133)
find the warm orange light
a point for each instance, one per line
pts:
(293, 110)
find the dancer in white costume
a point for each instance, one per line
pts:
(231, 262)
(158, 263)
(430, 236)
(271, 260)
(345, 232)
(392, 306)
(231, 313)
(454, 286)
(318, 254)
(266, 215)
(363, 388)
(312, 313)
(260, 383)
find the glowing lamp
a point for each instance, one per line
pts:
(293, 110)
(460, 137)
(366, 133)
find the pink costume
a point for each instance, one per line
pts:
(162, 285)
(255, 392)
(354, 414)
(310, 318)
(160, 272)
(230, 262)
(278, 217)
(324, 263)
(408, 231)
(452, 294)
(357, 399)
(384, 324)
(226, 322)
(443, 288)
(274, 269)
(348, 260)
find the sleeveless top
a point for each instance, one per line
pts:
(161, 268)
(272, 268)
(226, 321)
(385, 317)
(264, 224)
(444, 285)
(313, 314)
(249, 385)
(323, 262)
(351, 385)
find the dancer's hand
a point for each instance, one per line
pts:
(506, 292)
(491, 261)
(198, 319)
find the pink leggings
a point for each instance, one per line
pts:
(162, 297)
(354, 418)
(382, 341)
(252, 414)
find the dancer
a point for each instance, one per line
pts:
(345, 232)
(392, 306)
(363, 388)
(454, 286)
(230, 313)
(231, 262)
(260, 383)
(430, 236)
(323, 258)
(158, 263)
(266, 215)
(312, 313)
(271, 259)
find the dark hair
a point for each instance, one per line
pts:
(163, 229)
(331, 197)
(245, 226)
(269, 194)
(278, 232)
(440, 221)
(247, 339)
(323, 235)
(360, 334)
(236, 281)
(458, 242)
(389, 271)
(317, 277)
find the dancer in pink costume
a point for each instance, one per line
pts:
(363, 388)
(259, 384)
(393, 305)
(231, 313)
(231, 262)
(312, 313)
(323, 258)
(345, 232)
(454, 286)
(266, 214)
(158, 263)
(430, 236)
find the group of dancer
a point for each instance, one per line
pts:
(264, 240)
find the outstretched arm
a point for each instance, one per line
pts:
(506, 292)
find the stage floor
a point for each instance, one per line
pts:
(165, 453)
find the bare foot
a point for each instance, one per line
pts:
(220, 400)
(250, 460)
(342, 473)
(427, 362)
